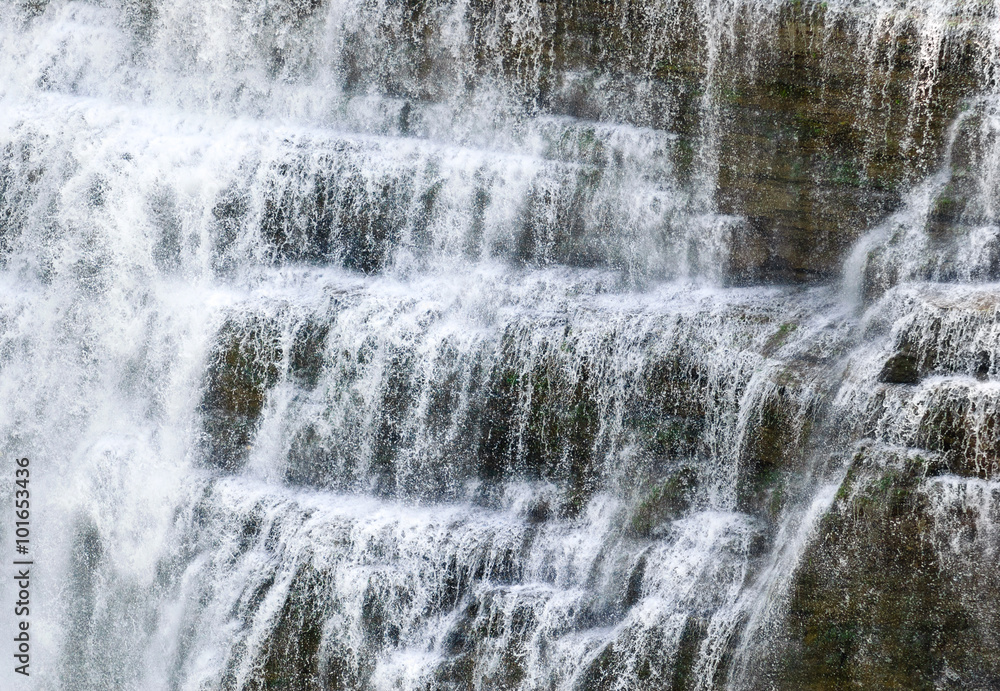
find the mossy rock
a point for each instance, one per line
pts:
(872, 604)
(554, 224)
(780, 337)
(295, 655)
(900, 368)
(540, 424)
(665, 501)
(397, 399)
(648, 667)
(676, 386)
(914, 355)
(484, 621)
(775, 440)
(496, 445)
(666, 437)
(379, 620)
(305, 361)
(457, 671)
(810, 149)
(243, 367)
(371, 220)
(333, 212)
(967, 440)
(309, 459)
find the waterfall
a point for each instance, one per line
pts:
(449, 344)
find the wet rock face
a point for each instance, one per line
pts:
(676, 411)
(799, 125)
(293, 652)
(809, 122)
(938, 392)
(876, 602)
(812, 156)
(413, 411)
(804, 122)
(901, 368)
(244, 367)
(773, 447)
(888, 593)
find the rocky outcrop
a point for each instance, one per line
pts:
(877, 601)
(243, 368)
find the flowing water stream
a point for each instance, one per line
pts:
(399, 344)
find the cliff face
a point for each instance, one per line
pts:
(808, 121)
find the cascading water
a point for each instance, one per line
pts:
(447, 344)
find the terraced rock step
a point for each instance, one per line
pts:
(805, 121)
(576, 192)
(386, 387)
(498, 597)
(884, 599)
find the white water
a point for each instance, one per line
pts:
(476, 334)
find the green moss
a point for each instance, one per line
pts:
(848, 174)
(730, 94)
(497, 443)
(673, 437)
(950, 203)
(773, 442)
(780, 336)
(540, 423)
